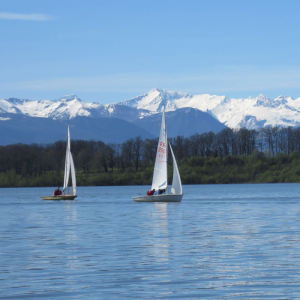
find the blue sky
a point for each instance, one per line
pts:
(108, 51)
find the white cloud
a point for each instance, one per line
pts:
(24, 17)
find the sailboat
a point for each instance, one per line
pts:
(160, 175)
(69, 166)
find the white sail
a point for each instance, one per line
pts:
(160, 175)
(73, 174)
(176, 183)
(69, 166)
(67, 162)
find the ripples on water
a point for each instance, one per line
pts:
(222, 241)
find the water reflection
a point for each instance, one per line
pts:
(162, 212)
(105, 246)
(70, 209)
(161, 247)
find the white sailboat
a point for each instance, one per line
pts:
(69, 166)
(160, 175)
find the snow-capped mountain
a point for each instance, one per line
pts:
(63, 108)
(67, 107)
(251, 113)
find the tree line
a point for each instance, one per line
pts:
(135, 155)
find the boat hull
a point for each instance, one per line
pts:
(61, 197)
(159, 198)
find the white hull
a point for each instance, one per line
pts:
(159, 198)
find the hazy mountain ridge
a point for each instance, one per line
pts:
(184, 121)
(17, 128)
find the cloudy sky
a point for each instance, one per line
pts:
(111, 50)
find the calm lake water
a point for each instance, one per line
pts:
(221, 241)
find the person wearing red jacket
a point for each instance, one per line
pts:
(151, 192)
(57, 192)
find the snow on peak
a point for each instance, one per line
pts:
(157, 90)
(262, 97)
(155, 100)
(68, 98)
(65, 107)
(266, 102)
(244, 112)
(249, 112)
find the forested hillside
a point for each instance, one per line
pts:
(270, 154)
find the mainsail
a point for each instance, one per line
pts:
(69, 164)
(176, 183)
(160, 175)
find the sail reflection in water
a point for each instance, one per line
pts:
(160, 248)
(223, 242)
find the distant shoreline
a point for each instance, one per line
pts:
(54, 187)
(230, 169)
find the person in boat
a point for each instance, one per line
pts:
(161, 191)
(57, 192)
(151, 192)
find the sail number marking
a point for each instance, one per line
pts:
(160, 155)
(162, 150)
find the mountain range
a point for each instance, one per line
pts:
(43, 121)
(251, 113)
